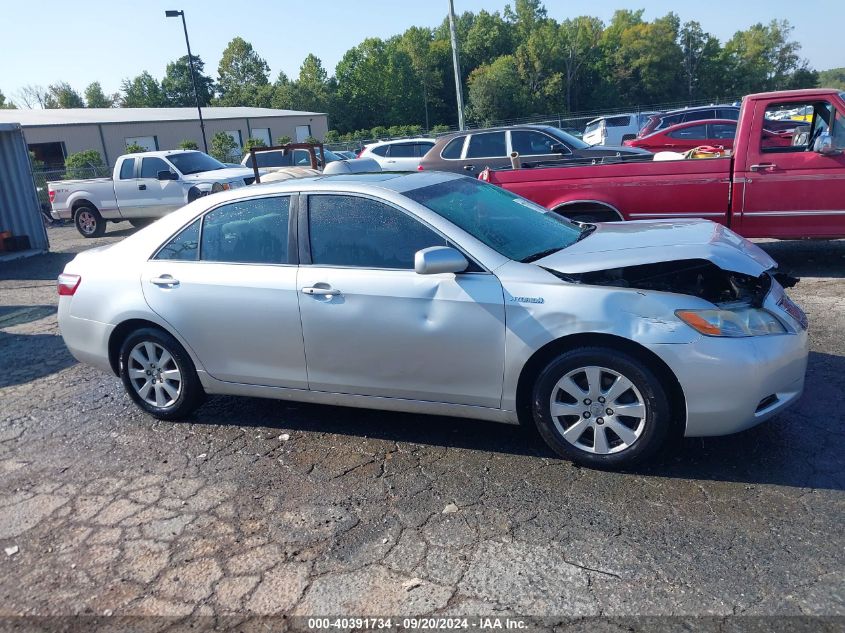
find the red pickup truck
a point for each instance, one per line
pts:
(788, 187)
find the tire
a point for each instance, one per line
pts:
(580, 421)
(151, 383)
(588, 215)
(140, 223)
(89, 222)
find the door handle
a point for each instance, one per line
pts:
(469, 167)
(762, 167)
(142, 187)
(165, 281)
(316, 290)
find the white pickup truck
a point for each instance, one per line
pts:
(144, 187)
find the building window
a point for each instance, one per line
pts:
(302, 133)
(262, 134)
(238, 151)
(149, 143)
(51, 154)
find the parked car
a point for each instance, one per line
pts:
(787, 188)
(144, 186)
(471, 151)
(343, 153)
(614, 130)
(298, 157)
(401, 155)
(663, 120)
(437, 293)
(686, 136)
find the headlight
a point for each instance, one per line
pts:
(218, 187)
(735, 322)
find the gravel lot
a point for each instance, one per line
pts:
(363, 512)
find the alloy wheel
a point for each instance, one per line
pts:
(598, 410)
(87, 222)
(154, 374)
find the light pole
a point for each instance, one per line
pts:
(457, 64)
(176, 14)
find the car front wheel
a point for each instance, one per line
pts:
(601, 407)
(158, 374)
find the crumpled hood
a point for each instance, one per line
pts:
(221, 175)
(619, 244)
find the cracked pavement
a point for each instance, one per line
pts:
(374, 513)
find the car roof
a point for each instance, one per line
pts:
(685, 124)
(501, 128)
(400, 140)
(698, 109)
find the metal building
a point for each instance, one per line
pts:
(20, 212)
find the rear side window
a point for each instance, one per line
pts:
(728, 113)
(185, 246)
(402, 150)
(700, 115)
(619, 121)
(669, 121)
(722, 131)
(127, 169)
(364, 233)
(592, 127)
(422, 149)
(151, 166)
(487, 145)
(247, 232)
(694, 132)
(453, 148)
(381, 150)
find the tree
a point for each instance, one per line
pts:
(762, 57)
(62, 95)
(253, 142)
(142, 92)
(538, 60)
(187, 144)
(311, 90)
(3, 104)
(243, 76)
(134, 148)
(96, 98)
(526, 15)
(701, 60)
(177, 87)
(416, 43)
(85, 164)
(579, 38)
(496, 91)
(832, 78)
(223, 147)
(33, 96)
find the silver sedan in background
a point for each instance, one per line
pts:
(435, 293)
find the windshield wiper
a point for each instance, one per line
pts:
(540, 255)
(586, 231)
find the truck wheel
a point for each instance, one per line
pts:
(601, 408)
(89, 222)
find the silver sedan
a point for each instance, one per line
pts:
(435, 293)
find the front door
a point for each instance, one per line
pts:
(231, 293)
(372, 326)
(154, 197)
(788, 189)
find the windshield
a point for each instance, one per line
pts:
(194, 162)
(592, 127)
(510, 225)
(568, 139)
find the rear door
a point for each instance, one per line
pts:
(485, 149)
(401, 157)
(227, 285)
(790, 190)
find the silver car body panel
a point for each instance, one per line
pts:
(444, 344)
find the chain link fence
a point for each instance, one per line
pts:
(43, 176)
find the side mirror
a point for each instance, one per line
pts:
(824, 145)
(166, 174)
(439, 259)
(559, 148)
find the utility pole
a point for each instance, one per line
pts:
(174, 14)
(457, 64)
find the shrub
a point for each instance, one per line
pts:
(440, 129)
(283, 140)
(187, 144)
(85, 164)
(253, 142)
(134, 148)
(223, 147)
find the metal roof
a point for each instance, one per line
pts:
(94, 116)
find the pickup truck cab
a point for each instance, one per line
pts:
(787, 186)
(144, 186)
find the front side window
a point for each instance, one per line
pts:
(810, 120)
(127, 169)
(364, 233)
(151, 166)
(691, 133)
(487, 145)
(247, 232)
(529, 143)
(512, 226)
(184, 246)
(453, 148)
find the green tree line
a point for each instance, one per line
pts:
(515, 63)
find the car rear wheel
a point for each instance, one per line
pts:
(89, 222)
(158, 374)
(601, 408)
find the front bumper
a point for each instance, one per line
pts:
(64, 214)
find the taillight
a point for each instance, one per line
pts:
(52, 196)
(68, 284)
(420, 168)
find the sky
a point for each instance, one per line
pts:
(96, 40)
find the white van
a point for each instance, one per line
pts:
(612, 130)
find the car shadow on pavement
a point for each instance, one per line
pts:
(18, 315)
(789, 450)
(41, 267)
(28, 357)
(808, 258)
